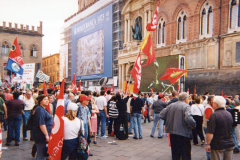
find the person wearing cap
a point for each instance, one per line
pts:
(84, 114)
(179, 123)
(72, 126)
(219, 131)
(158, 106)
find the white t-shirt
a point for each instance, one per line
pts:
(197, 109)
(72, 128)
(101, 102)
(29, 104)
(128, 105)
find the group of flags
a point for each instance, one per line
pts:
(15, 61)
(172, 74)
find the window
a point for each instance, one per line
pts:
(161, 31)
(21, 47)
(5, 47)
(33, 50)
(206, 19)
(182, 27)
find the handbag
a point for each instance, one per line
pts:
(29, 125)
(83, 148)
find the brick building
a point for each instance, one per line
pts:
(50, 66)
(30, 42)
(206, 31)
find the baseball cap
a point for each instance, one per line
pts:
(72, 106)
(161, 95)
(84, 97)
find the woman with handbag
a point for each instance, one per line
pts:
(197, 111)
(95, 111)
(72, 126)
(42, 126)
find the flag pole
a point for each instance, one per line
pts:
(167, 88)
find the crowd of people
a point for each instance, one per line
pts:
(181, 117)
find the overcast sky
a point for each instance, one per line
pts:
(30, 12)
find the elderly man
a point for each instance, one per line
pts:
(70, 99)
(8, 95)
(219, 131)
(29, 104)
(179, 123)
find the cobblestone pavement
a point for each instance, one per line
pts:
(147, 148)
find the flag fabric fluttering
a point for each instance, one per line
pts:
(222, 93)
(179, 90)
(136, 74)
(56, 137)
(173, 74)
(14, 66)
(148, 49)
(16, 53)
(50, 85)
(79, 85)
(152, 26)
(105, 89)
(152, 90)
(45, 92)
(126, 87)
(74, 84)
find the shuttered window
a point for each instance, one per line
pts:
(210, 21)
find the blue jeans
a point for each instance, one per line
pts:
(207, 153)
(137, 125)
(14, 124)
(131, 125)
(156, 119)
(235, 138)
(102, 118)
(41, 150)
(85, 131)
(25, 116)
(69, 148)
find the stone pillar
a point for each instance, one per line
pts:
(126, 32)
(123, 73)
(129, 30)
(149, 16)
(145, 23)
(120, 77)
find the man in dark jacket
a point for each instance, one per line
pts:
(158, 106)
(179, 123)
(174, 97)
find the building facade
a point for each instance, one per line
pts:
(50, 66)
(30, 42)
(207, 32)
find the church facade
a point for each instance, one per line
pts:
(207, 32)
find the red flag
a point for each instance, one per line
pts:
(136, 74)
(105, 88)
(45, 92)
(195, 89)
(79, 85)
(188, 91)
(50, 85)
(173, 74)
(154, 23)
(113, 87)
(148, 49)
(56, 138)
(222, 93)
(16, 53)
(152, 90)
(74, 85)
(109, 88)
(126, 86)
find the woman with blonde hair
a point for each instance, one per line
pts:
(72, 126)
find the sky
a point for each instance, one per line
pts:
(30, 12)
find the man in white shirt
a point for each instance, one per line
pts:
(101, 103)
(29, 104)
(108, 96)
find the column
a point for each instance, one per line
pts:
(120, 77)
(145, 23)
(149, 16)
(129, 30)
(126, 31)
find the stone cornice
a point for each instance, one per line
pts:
(20, 31)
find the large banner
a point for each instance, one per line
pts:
(28, 74)
(92, 46)
(42, 76)
(63, 62)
